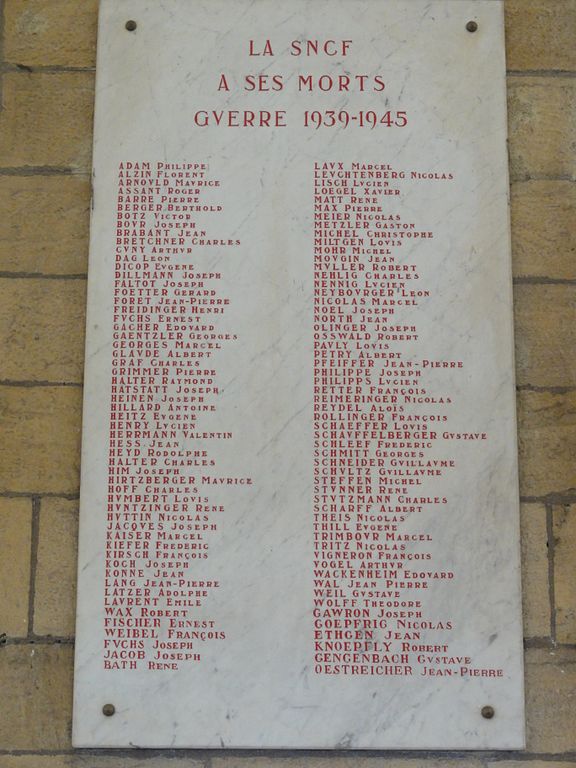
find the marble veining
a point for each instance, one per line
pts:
(299, 498)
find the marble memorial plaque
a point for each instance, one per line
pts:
(299, 505)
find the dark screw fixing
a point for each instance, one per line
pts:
(131, 25)
(472, 26)
(488, 712)
(108, 710)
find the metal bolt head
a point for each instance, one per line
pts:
(487, 712)
(131, 25)
(108, 710)
(472, 26)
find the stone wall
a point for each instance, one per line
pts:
(47, 50)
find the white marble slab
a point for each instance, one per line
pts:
(299, 508)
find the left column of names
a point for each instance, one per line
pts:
(169, 323)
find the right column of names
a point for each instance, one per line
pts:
(382, 439)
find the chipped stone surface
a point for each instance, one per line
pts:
(535, 584)
(564, 527)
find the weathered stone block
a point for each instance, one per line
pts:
(540, 34)
(545, 335)
(544, 229)
(40, 448)
(564, 582)
(547, 442)
(551, 700)
(42, 329)
(38, 681)
(15, 544)
(47, 119)
(541, 127)
(55, 592)
(44, 226)
(535, 584)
